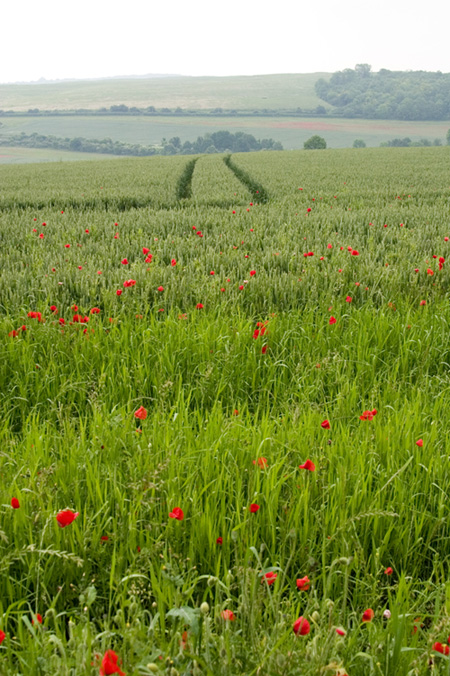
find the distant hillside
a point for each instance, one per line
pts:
(388, 95)
(256, 92)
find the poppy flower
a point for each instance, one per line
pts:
(15, 503)
(109, 664)
(264, 349)
(67, 246)
(199, 306)
(261, 462)
(388, 571)
(348, 299)
(129, 282)
(423, 302)
(219, 541)
(95, 311)
(41, 236)
(269, 577)
(53, 308)
(301, 626)
(325, 425)
(439, 648)
(228, 615)
(119, 292)
(141, 413)
(13, 334)
(368, 415)
(332, 320)
(66, 517)
(355, 253)
(419, 443)
(160, 288)
(254, 508)
(2, 636)
(177, 513)
(145, 251)
(173, 262)
(340, 631)
(303, 583)
(309, 465)
(38, 619)
(441, 262)
(252, 273)
(104, 538)
(35, 315)
(368, 615)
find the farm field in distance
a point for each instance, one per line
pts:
(245, 92)
(224, 436)
(291, 132)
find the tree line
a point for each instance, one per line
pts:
(396, 95)
(217, 142)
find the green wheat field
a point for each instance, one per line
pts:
(225, 395)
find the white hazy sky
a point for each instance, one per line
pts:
(94, 38)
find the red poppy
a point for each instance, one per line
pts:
(95, 311)
(104, 538)
(35, 315)
(241, 287)
(439, 648)
(87, 231)
(254, 508)
(325, 425)
(13, 334)
(219, 541)
(423, 302)
(301, 626)
(340, 631)
(41, 236)
(15, 503)
(173, 262)
(262, 462)
(303, 583)
(388, 571)
(129, 282)
(264, 349)
(124, 261)
(348, 299)
(66, 517)
(332, 320)
(119, 292)
(445, 239)
(309, 465)
(252, 273)
(141, 413)
(67, 246)
(228, 615)
(109, 664)
(441, 262)
(355, 253)
(419, 443)
(2, 636)
(199, 306)
(368, 415)
(145, 251)
(177, 513)
(368, 615)
(160, 288)
(269, 578)
(38, 618)
(53, 308)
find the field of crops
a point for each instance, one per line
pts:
(224, 398)
(291, 132)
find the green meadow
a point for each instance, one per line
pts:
(225, 385)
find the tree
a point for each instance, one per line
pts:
(448, 137)
(315, 143)
(359, 143)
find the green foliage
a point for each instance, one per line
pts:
(448, 137)
(211, 143)
(411, 95)
(124, 575)
(359, 143)
(315, 143)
